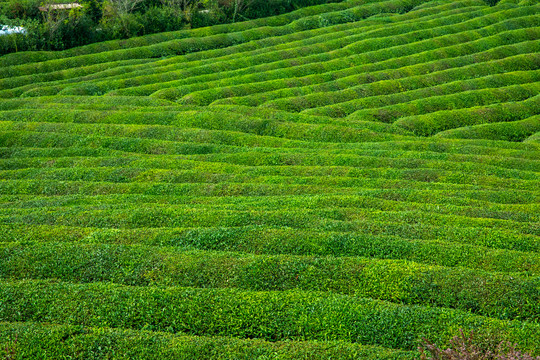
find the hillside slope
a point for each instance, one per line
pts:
(338, 182)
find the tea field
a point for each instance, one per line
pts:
(337, 182)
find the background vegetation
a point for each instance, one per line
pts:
(100, 20)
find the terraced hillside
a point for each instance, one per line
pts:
(337, 182)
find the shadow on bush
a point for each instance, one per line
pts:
(463, 347)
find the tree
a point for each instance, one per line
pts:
(189, 9)
(94, 10)
(124, 7)
(119, 20)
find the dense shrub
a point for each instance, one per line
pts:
(62, 341)
(22, 9)
(274, 316)
(430, 124)
(503, 296)
(508, 131)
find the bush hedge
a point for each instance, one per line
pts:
(501, 296)
(32, 340)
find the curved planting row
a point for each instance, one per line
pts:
(293, 44)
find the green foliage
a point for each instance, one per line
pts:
(508, 131)
(22, 9)
(273, 316)
(430, 124)
(502, 296)
(331, 180)
(93, 9)
(35, 340)
(109, 20)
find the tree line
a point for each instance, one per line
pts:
(101, 20)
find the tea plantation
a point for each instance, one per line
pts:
(337, 182)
